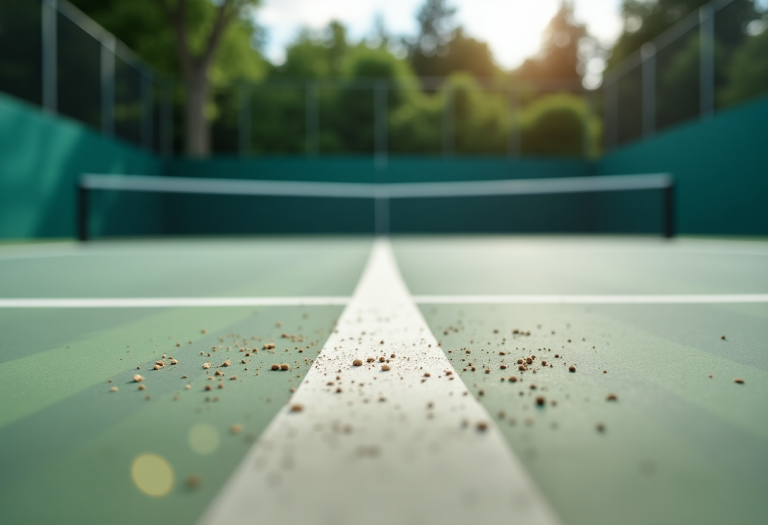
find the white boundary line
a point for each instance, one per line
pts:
(184, 302)
(349, 458)
(171, 302)
(591, 299)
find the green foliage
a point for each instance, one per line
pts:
(554, 125)
(339, 79)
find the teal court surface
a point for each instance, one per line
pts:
(505, 379)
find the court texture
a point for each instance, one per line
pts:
(576, 380)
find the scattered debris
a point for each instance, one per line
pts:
(194, 480)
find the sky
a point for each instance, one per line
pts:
(512, 28)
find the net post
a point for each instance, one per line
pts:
(82, 212)
(669, 209)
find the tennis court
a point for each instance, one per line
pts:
(649, 427)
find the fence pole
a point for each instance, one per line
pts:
(49, 58)
(108, 84)
(448, 123)
(611, 115)
(587, 94)
(166, 120)
(648, 55)
(147, 113)
(707, 64)
(312, 118)
(513, 145)
(380, 123)
(244, 120)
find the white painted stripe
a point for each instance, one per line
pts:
(181, 302)
(591, 299)
(349, 458)
(32, 255)
(171, 302)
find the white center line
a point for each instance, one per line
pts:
(380, 447)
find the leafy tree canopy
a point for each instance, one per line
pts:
(560, 49)
(142, 26)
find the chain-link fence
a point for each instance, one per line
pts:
(715, 57)
(433, 116)
(53, 55)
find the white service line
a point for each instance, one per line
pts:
(592, 299)
(392, 447)
(182, 302)
(171, 302)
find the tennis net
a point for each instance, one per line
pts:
(179, 205)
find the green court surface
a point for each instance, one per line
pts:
(682, 443)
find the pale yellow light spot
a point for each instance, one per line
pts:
(203, 438)
(152, 474)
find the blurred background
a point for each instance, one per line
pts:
(565, 86)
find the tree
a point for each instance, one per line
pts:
(195, 64)
(441, 48)
(436, 30)
(559, 55)
(143, 27)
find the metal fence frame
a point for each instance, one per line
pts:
(380, 89)
(645, 58)
(157, 89)
(110, 49)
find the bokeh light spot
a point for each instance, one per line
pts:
(203, 438)
(152, 474)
